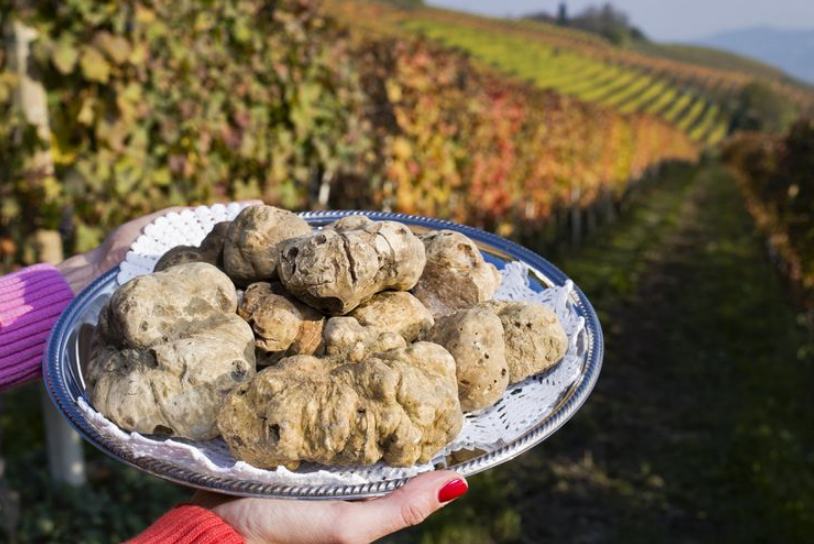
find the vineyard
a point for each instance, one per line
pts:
(300, 110)
(590, 80)
(697, 99)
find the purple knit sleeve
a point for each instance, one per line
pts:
(30, 302)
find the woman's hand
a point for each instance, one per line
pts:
(82, 269)
(271, 521)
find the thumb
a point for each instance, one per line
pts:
(407, 506)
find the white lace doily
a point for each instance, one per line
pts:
(187, 228)
(523, 406)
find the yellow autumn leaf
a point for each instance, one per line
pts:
(505, 229)
(394, 93)
(144, 15)
(87, 111)
(64, 57)
(402, 148)
(94, 66)
(138, 54)
(116, 48)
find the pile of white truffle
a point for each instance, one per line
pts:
(357, 343)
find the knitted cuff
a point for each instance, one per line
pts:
(30, 302)
(188, 524)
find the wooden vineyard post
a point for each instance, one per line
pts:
(563, 223)
(591, 218)
(66, 462)
(29, 95)
(576, 217)
(607, 204)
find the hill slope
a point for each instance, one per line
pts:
(698, 97)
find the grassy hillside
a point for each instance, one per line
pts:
(692, 88)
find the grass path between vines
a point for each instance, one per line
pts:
(700, 429)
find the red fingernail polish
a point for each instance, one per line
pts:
(452, 490)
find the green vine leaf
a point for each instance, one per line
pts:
(64, 57)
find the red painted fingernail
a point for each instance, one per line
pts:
(452, 490)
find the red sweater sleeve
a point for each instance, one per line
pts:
(188, 524)
(30, 302)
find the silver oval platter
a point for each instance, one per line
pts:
(528, 413)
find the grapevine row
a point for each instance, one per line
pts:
(291, 106)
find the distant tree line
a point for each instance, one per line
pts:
(404, 3)
(606, 20)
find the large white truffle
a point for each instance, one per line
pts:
(335, 270)
(170, 348)
(400, 406)
(456, 276)
(251, 250)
